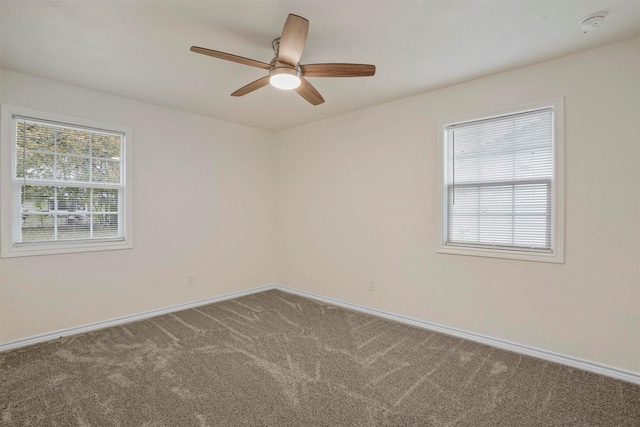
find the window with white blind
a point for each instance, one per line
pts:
(502, 185)
(68, 186)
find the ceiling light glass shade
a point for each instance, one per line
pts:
(284, 78)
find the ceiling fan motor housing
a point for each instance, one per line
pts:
(283, 76)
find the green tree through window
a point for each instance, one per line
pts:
(70, 182)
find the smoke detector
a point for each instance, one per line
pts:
(592, 22)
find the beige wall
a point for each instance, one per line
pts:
(203, 205)
(357, 200)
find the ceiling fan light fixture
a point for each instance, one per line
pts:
(286, 78)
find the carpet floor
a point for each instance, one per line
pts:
(277, 359)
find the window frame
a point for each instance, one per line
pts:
(556, 255)
(9, 198)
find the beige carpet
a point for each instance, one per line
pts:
(276, 359)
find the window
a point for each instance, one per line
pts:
(502, 185)
(65, 184)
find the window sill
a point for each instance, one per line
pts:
(54, 249)
(504, 254)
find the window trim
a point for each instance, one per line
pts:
(7, 196)
(557, 207)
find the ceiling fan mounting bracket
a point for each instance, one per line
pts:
(275, 62)
(275, 44)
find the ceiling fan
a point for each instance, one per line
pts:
(285, 71)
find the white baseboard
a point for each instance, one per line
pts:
(472, 336)
(50, 336)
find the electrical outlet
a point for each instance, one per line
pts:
(372, 286)
(191, 280)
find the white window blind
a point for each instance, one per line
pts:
(499, 182)
(67, 183)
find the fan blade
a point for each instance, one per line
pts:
(337, 70)
(308, 92)
(230, 57)
(293, 39)
(261, 82)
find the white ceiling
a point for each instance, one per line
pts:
(140, 50)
